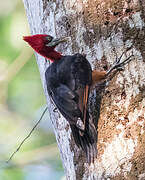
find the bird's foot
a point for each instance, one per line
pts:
(118, 65)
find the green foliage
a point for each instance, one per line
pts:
(21, 98)
(13, 174)
(7, 51)
(25, 93)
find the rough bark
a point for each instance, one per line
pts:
(102, 30)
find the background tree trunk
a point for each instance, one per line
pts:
(102, 30)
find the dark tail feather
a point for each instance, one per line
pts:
(87, 141)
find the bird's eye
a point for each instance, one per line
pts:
(49, 38)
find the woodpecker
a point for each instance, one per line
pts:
(69, 79)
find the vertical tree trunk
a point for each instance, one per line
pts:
(102, 30)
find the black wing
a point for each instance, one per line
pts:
(68, 84)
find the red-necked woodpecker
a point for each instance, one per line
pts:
(69, 79)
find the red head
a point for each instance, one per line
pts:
(45, 45)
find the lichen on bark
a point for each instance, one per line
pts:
(102, 30)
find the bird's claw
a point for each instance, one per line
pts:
(120, 68)
(118, 59)
(118, 65)
(126, 61)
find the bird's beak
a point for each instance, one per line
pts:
(56, 41)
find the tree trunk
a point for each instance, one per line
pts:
(102, 30)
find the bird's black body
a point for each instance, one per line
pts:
(68, 83)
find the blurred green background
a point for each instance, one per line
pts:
(21, 104)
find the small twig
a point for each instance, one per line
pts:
(27, 136)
